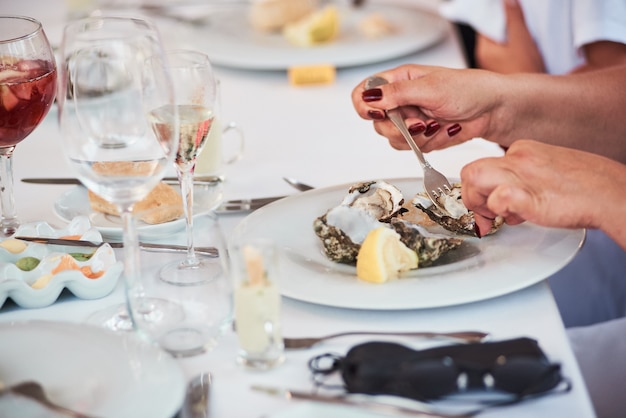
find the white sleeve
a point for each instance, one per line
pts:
(485, 16)
(598, 20)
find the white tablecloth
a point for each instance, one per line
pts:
(313, 134)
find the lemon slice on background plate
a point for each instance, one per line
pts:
(383, 256)
(318, 27)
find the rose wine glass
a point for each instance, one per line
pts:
(27, 89)
(196, 94)
(109, 99)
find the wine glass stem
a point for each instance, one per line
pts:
(132, 262)
(186, 187)
(8, 222)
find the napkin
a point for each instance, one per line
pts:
(485, 16)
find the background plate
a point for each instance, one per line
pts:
(513, 258)
(90, 370)
(232, 42)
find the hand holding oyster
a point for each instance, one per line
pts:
(370, 205)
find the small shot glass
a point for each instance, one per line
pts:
(255, 268)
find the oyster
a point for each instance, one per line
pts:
(455, 217)
(429, 247)
(367, 206)
(343, 228)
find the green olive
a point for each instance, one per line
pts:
(27, 263)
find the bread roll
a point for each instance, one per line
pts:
(273, 15)
(163, 204)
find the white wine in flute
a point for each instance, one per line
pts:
(194, 126)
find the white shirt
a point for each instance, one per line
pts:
(559, 27)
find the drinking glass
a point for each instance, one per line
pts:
(206, 306)
(256, 274)
(120, 131)
(196, 93)
(27, 89)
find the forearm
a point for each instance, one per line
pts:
(583, 111)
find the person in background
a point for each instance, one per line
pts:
(557, 36)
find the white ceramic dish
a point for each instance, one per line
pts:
(17, 284)
(512, 259)
(234, 43)
(90, 370)
(75, 202)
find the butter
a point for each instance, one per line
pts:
(311, 74)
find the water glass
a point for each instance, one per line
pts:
(203, 308)
(256, 269)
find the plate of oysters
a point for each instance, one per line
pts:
(320, 233)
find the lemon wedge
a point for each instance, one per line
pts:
(383, 256)
(315, 28)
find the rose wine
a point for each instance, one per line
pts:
(194, 126)
(27, 90)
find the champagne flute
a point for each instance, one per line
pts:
(196, 94)
(109, 98)
(27, 90)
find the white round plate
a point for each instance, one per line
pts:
(75, 202)
(513, 258)
(91, 370)
(230, 40)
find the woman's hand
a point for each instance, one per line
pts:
(442, 107)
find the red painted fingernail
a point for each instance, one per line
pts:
(417, 128)
(376, 114)
(432, 128)
(454, 129)
(372, 95)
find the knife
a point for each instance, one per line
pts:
(230, 206)
(96, 244)
(197, 397)
(358, 402)
(75, 181)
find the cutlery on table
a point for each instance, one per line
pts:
(297, 184)
(360, 401)
(435, 183)
(146, 246)
(229, 206)
(462, 336)
(35, 391)
(75, 181)
(197, 397)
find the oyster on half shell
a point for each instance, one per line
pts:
(343, 228)
(456, 217)
(367, 206)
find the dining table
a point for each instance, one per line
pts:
(311, 133)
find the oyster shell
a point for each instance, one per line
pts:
(369, 205)
(456, 217)
(429, 247)
(343, 228)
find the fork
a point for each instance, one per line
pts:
(435, 183)
(462, 336)
(35, 391)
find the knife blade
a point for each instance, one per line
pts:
(358, 402)
(211, 251)
(75, 181)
